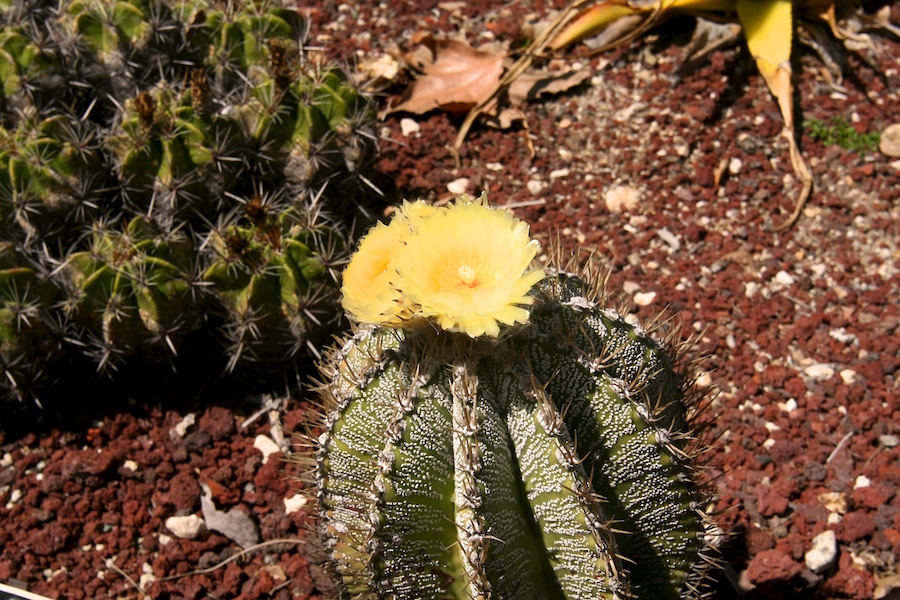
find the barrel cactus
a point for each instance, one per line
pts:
(180, 173)
(492, 431)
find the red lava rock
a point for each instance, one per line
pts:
(50, 539)
(184, 492)
(758, 540)
(849, 582)
(217, 422)
(855, 526)
(872, 496)
(770, 502)
(772, 566)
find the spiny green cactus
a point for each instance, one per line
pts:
(31, 336)
(275, 276)
(554, 459)
(136, 138)
(133, 291)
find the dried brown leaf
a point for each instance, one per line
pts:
(455, 77)
(534, 84)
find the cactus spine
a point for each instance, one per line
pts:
(552, 461)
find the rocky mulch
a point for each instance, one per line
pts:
(676, 184)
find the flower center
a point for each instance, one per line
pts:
(466, 275)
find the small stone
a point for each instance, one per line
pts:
(382, 67)
(187, 528)
(265, 445)
(458, 186)
(889, 440)
(771, 566)
(735, 165)
(789, 406)
(848, 376)
(130, 465)
(823, 553)
(630, 287)
(294, 503)
(704, 380)
(861, 482)
(621, 198)
(784, 278)
(836, 502)
(559, 173)
(819, 371)
(535, 186)
(644, 298)
(890, 141)
(181, 428)
(669, 238)
(409, 126)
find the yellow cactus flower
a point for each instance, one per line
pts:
(370, 292)
(467, 268)
(368, 289)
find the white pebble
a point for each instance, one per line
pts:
(735, 165)
(181, 428)
(294, 503)
(187, 528)
(823, 552)
(669, 238)
(458, 186)
(265, 445)
(409, 126)
(784, 278)
(848, 376)
(535, 186)
(644, 298)
(889, 441)
(789, 406)
(621, 198)
(861, 482)
(130, 465)
(819, 371)
(14, 496)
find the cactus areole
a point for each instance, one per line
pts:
(552, 460)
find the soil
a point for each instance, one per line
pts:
(676, 184)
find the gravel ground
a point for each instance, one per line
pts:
(676, 185)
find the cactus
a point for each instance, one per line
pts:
(553, 459)
(278, 278)
(137, 138)
(31, 337)
(133, 291)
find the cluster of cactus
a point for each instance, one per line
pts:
(170, 168)
(554, 460)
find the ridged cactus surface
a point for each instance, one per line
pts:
(171, 168)
(555, 462)
(491, 430)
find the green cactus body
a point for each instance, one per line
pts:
(51, 172)
(30, 337)
(176, 112)
(134, 290)
(552, 462)
(274, 278)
